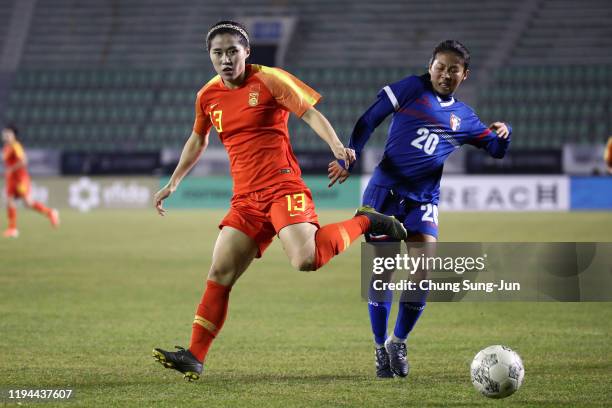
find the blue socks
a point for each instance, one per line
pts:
(379, 308)
(379, 317)
(407, 316)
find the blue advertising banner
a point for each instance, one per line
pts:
(591, 193)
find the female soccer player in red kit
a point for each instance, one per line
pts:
(17, 182)
(249, 106)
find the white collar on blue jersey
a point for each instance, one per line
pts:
(443, 103)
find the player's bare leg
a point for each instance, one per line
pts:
(233, 253)
(50, 213)
(299, 244)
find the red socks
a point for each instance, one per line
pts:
(209, 318)
(12, 213)
(41, 208)
(12, 217)
(332, 239)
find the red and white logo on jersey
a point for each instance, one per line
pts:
(455, 122)
(254, 95)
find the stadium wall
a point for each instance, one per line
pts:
(459, 193)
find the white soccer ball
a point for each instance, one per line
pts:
(497, 372)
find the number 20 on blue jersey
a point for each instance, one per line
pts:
(427, 141)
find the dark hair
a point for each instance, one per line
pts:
(12, 128)
(228, 27)
(453, 46)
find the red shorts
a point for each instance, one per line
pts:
(263, 213)
(19, 187)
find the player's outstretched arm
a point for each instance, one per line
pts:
(494, 139)
(498, 146)
(364, 128)
(335, 172)
(501, 129)
(324, 129)
(193, 149)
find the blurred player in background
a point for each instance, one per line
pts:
(608, 155)
(249, 106)
(17, 182)
(429, 123)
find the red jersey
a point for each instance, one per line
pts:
(13, 154)
(252, 124)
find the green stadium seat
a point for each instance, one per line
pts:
(53, 100)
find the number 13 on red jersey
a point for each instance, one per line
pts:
(215, 118)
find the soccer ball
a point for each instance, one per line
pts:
(497, 372)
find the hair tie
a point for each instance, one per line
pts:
(231, 27)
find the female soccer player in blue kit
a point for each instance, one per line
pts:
(428, 124)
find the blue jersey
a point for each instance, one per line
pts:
(426, 128)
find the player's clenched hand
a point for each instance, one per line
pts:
(335, 172)
(346, 154)
(159, 197)
(501, 129)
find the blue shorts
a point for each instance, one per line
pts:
(418, 218)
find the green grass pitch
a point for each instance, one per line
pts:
(82, 308)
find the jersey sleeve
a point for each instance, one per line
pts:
(368, 122)
(202, 123)
(288, 91)
(484, 138)
(402, 92)
(18, 152)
